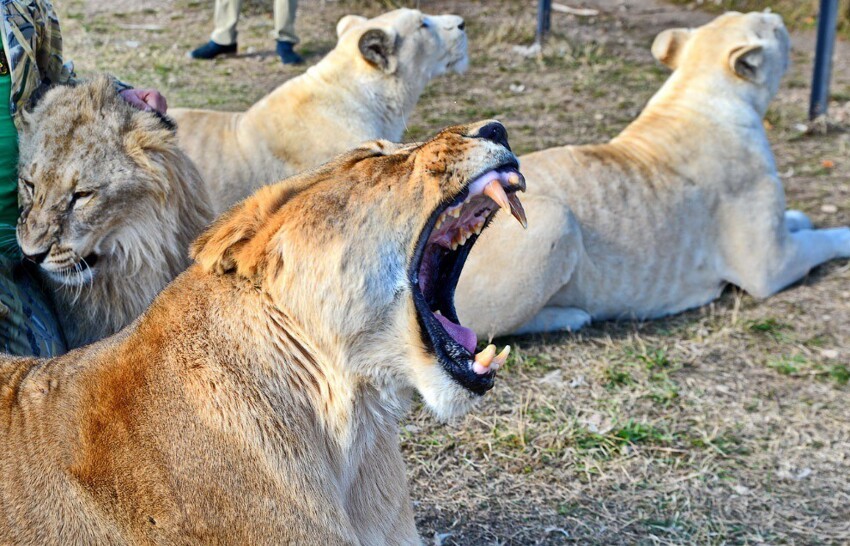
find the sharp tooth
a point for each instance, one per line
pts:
(455, 212)
(478, 228)
(517, 211)
(454, 245)
(513, 178)
(440, 221)
(494, 191)
(500, 359)
(484, 358)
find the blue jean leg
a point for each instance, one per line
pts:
(28, 325)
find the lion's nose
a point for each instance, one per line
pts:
(36, 258)
(495, 132)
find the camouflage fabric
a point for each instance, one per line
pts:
(33, 46)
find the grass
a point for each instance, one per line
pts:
(724, 425)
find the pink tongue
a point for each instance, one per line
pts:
(464, 336)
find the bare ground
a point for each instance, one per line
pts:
(725, 425)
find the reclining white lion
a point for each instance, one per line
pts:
(109, 204)
(685, 200)
(364, 89)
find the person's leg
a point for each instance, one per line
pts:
(226, 17)
(223, 38)
(284, 21)
(284, 31)
(28, 325)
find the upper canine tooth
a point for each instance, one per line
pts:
(494, 191)
(517, 211)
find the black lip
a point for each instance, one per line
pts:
(88, 261)
(450, 354)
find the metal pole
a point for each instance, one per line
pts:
(544, 19)
(827, 22)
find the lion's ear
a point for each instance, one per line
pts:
(378, 47)
(215, 249)
(144, 137)
(668, 46)
(347, 22)
(238, 241)
(747, 61)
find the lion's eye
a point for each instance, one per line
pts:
(81, 197)
(27, 184)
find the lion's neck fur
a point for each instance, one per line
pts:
(299, 374)
(140, 260)
(685, 114)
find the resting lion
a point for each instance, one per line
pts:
(364, 89)
(256, 401)
(109, 203)
(685, 200)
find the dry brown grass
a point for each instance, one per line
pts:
(725, 425)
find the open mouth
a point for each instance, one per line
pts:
(438, 262)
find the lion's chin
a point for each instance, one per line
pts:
(447, 399)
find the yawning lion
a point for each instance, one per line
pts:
(256, 401)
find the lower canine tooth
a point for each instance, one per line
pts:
(500, 359)
(486, 356)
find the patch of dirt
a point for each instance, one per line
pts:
(725, 425)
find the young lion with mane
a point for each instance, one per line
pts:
(109, 206)
(257, 400)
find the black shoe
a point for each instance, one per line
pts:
(211, 50)
(287, 54)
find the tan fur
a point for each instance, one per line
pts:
(344, 100)
(683, 201)
(257, 400)
(142, 203)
